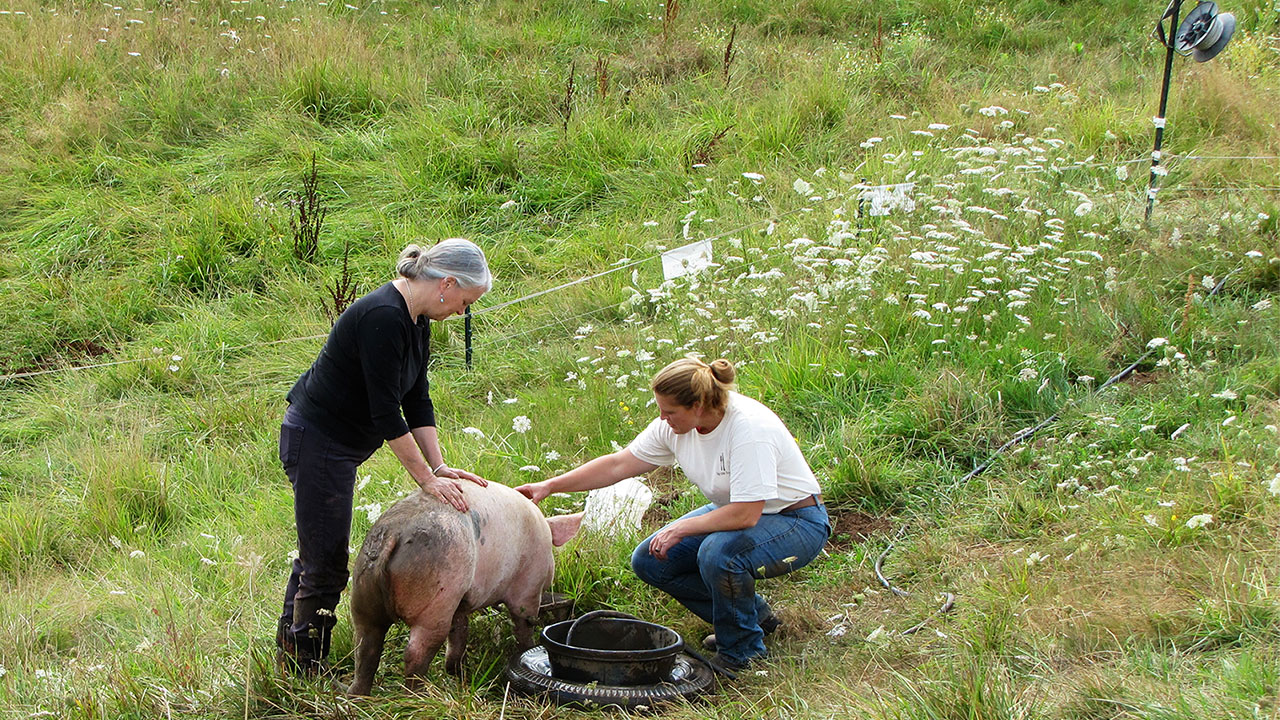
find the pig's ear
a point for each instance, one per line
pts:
(564, 528)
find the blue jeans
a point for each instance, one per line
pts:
(715, 575)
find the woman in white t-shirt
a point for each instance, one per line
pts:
(765, 518)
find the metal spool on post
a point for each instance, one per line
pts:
(1203, 34)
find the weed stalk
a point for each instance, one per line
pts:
(729, 54)
(343, 291)
(309, 218)
(566, 105)
(671, 11)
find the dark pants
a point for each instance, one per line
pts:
(323, 474)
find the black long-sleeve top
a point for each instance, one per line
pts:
(373, 365)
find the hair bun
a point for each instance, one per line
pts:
(723, 371)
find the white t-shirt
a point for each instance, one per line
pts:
(750, 456)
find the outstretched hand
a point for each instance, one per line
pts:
(536, 492)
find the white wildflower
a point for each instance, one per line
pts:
(552, 456)
(137, 554)
(1273, 487)
(1122, 173)
(802, 187)
(1157, 342)
(1199, 521)
(477, 432)
(521, 424)
(753, 177)
(1227, 394)
(1151, 520)
(530, 468)
(1261, 305)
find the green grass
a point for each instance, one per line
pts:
(145, 526)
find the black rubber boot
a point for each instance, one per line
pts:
(305, 652)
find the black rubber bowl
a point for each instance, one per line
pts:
(611, 650)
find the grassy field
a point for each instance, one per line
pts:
(155, 308)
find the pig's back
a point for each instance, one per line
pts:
(513, 543)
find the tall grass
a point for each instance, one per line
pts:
(145, 527)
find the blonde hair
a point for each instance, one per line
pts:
(689, 381)
(455, 258)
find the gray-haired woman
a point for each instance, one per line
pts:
(368, 386)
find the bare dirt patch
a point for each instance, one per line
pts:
(850, 527)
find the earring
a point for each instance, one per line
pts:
(441, 298)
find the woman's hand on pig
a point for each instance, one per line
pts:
(457, 474)
(536, 492)
(447, 490)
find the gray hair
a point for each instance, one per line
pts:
(455, 257)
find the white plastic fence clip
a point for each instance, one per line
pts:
(686, 259)
(883, 199)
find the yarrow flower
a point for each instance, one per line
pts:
(521, 424)
(1199, 521)
(474, 431)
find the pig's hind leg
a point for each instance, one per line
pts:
(457, 641)
(369, 638)
(427, 633)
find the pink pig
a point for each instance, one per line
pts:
(428, 564)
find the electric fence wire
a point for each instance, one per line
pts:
(10, 377)
(633, 263)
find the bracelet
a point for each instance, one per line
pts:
(436, 469)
